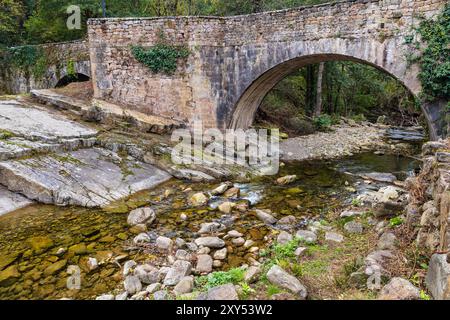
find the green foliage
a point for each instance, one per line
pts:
(285, 251)
(11, 15)
(424, 295)
(272, 290)
(396, 221)
(323, 122)
(359, 118)
(235, 276)
(246, 291)
(435, 60)
(29, 59)
(162, 58)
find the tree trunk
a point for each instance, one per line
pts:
(318, 108)
(310, 89)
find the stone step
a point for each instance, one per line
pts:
(103, 111)
(35, 124)
(87, 177)
(10, 201)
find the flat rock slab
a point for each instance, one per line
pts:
(17, 147)
(87, 177)
(37, 124)
(10, 201)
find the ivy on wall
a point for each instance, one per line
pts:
(435, 59)
(161, 58)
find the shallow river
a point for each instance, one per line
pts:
(39, 243)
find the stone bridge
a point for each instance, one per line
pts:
(235, 61)
(58, 58)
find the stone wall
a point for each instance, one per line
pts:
(14, 81)
(429, 207)
(235, 61)
(428, 212)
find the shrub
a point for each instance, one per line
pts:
(162, 58)
(234, 276)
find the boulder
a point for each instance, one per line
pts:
(232, 193)
(265, 217)
(252, 274)
(55, 267)
(354, 227)
(306, 236)
(178, 270)
(438, 277)
(204, 263)
(220, 254)
(387, 241)
(147, 273)
(210, 227)
(287, 221)
(221, 189)
(128, 267)
(286, 180)
(164, 243)
(141, 216)
(186, 285)
(238, 242)
(224, 292)
(198, 199)
(153, 287)
(280, 278)
(141, 239)
(9, 276)
(132, 285)
(40, 244)
(226, 207)
(234, 234)
(284, 237)
(334, 237)
(399, 289)
(92, 264)
(210, 242)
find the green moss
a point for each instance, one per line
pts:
(5, 134)
(66, 158)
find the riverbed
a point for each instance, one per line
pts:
(40, 242)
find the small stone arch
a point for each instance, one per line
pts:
(77, 77)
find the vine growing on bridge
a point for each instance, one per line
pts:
(435, 58)
(161, 58)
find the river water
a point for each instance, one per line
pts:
(38, 243)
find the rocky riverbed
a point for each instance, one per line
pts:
(183, 239)
(116, 226)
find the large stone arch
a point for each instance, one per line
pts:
(245, 109)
